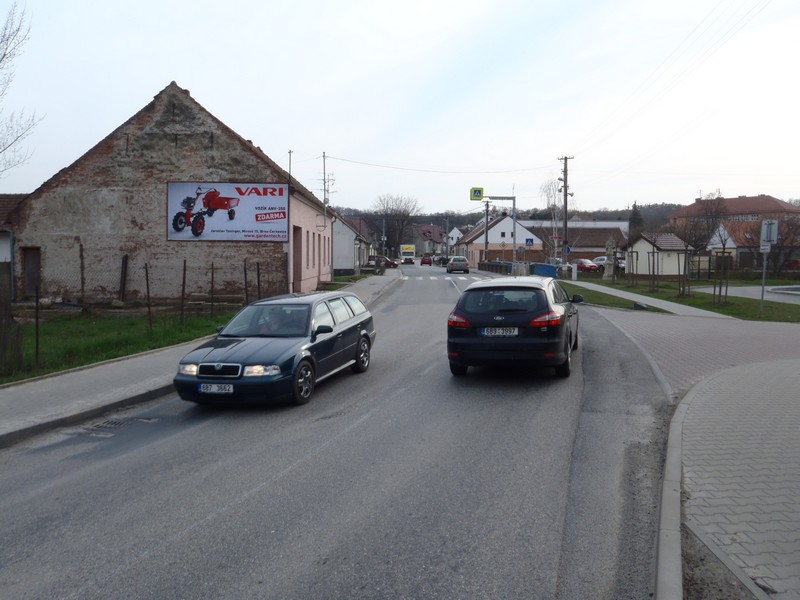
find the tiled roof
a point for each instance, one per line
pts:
(431, 232)
(743, 233)
(583, 237)
(761, 204)
(665, 241)
(9, 202)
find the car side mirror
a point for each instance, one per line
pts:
(323, 329)
(577, 298)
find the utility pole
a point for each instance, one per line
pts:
(565, 189)
(486, 234)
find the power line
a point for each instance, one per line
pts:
(440, 171)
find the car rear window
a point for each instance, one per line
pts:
(493, 300)
(356, 305)
(340, 310)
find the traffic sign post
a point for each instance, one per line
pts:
(476, 194)
(769, 236)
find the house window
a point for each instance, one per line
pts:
(502, 234)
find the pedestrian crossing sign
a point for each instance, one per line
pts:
(476, 194)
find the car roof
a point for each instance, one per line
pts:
(529, 281)
(300, 298)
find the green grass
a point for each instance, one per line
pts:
(68, 340)
(732, 306)
(599, 298)
(73, 340)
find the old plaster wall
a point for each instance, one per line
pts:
(112, 203)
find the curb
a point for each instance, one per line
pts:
(14, 437)
(669, 562)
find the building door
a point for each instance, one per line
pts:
(31, 270)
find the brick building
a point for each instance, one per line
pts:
(92, 231)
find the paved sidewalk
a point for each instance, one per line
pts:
(734, 445)
(674, 308)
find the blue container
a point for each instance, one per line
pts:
(545, 270)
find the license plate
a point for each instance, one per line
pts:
(500, 331)
(216, 388)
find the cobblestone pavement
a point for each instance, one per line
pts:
(740, 437)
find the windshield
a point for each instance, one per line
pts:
(503, 300)
(269, 320)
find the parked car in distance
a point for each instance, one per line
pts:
(600, 261)
(584, 264)
(279, 347)
(457, 263)
(390, 264)
(371, 260)
(793, 263)
(427, 259)
(513, 321)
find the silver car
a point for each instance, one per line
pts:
(458, 263)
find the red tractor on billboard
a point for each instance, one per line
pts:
(212, 202)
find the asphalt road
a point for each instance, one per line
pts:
(402, 482)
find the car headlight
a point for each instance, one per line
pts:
(187, 369)
(261, 370)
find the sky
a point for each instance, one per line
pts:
(652, 101)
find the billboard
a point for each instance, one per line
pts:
(242, 212)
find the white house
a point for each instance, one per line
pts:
(503, 236)
(350, 248)
(659, 254)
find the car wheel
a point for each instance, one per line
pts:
(458, 370)
(303, 385)
(563, 370)
(362, 356)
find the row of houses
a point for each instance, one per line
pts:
(704, 236)
(175, 203)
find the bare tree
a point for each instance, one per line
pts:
(788, 243)
(555, 206)
(696, 233)
(397, 214)
(15, 127)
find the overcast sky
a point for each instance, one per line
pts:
(656, 100)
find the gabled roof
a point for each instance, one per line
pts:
(433, 233)
(9, 202)
(362, 225)
(145, 119)
(474, 233)
(666, 241)
(346, 222)
(477, 232)
(739, 234)
(742, 205)
(591, 237)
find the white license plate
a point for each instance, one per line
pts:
(500, 331)
(216, 388)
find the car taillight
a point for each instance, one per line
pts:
(455, 320)
(547, 319)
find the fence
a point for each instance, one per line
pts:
(133, 282)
